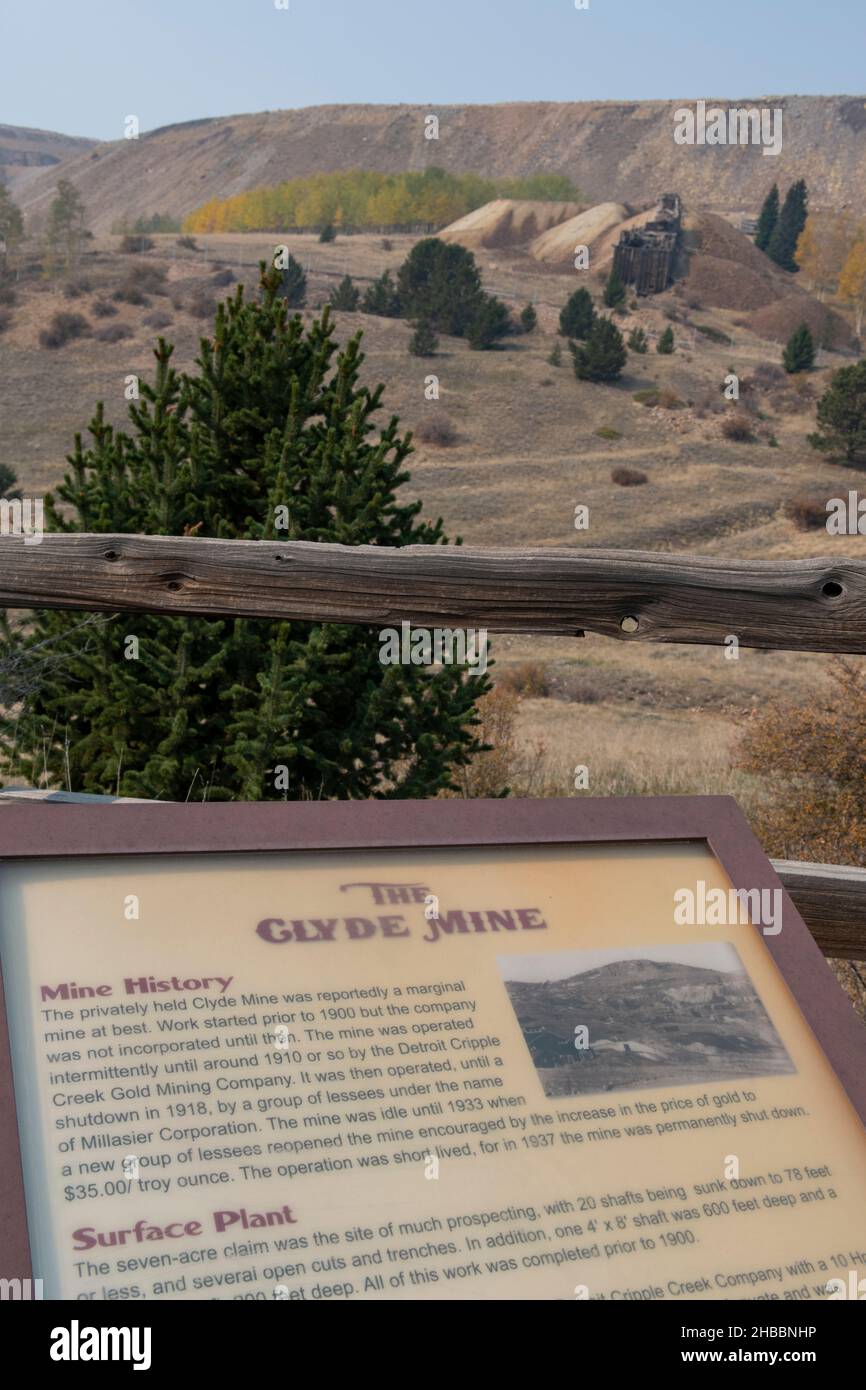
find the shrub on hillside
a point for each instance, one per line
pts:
(187, 243)
(158, 319)
(715, 335)
(151, 278)
(488, 773)
(709, 402)
(201, 305)
(222, 277)
(103, 309)
(64, 328)
(603, 355)
(529, 680)
(628, 477)
(5, 317)
(74, 289)
(806, 513)
(765, 376)
(135, 244)
(737, 428)
(130, 293)
(813, 759)
(113, 333)
(437, 430)
(637, 341)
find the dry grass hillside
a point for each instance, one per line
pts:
(620, 151)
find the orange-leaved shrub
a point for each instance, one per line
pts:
(813, 760)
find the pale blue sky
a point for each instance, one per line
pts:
(81, 66)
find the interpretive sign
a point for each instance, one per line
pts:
(581, 1049)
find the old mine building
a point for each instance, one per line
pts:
(644, 256)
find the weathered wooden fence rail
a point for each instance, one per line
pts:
(797, 605)
(801, 605)
(831, 899)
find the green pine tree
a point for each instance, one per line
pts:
(614, 290)
(8, 482)
(555, 355)
(270, 438)
(842, 415)
(328, 233)
(637, 341)
(423, 342)
(381, 298)
(293, 284)
(603, 355)
(489, 322)
(786, 233)
(577, 315)
(665, 343)
(528, 319)
(768, 218)
(799, 354)
(345, 297)
(441, 284)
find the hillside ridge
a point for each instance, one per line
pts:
(614, 150)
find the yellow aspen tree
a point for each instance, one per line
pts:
(852, 281)
(822, 248)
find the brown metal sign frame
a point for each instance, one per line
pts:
(46, 831)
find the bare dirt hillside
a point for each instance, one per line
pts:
(24, 152)
(623, 151)
(725, 270)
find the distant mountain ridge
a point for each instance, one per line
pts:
(622, 151)
(24, 152)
